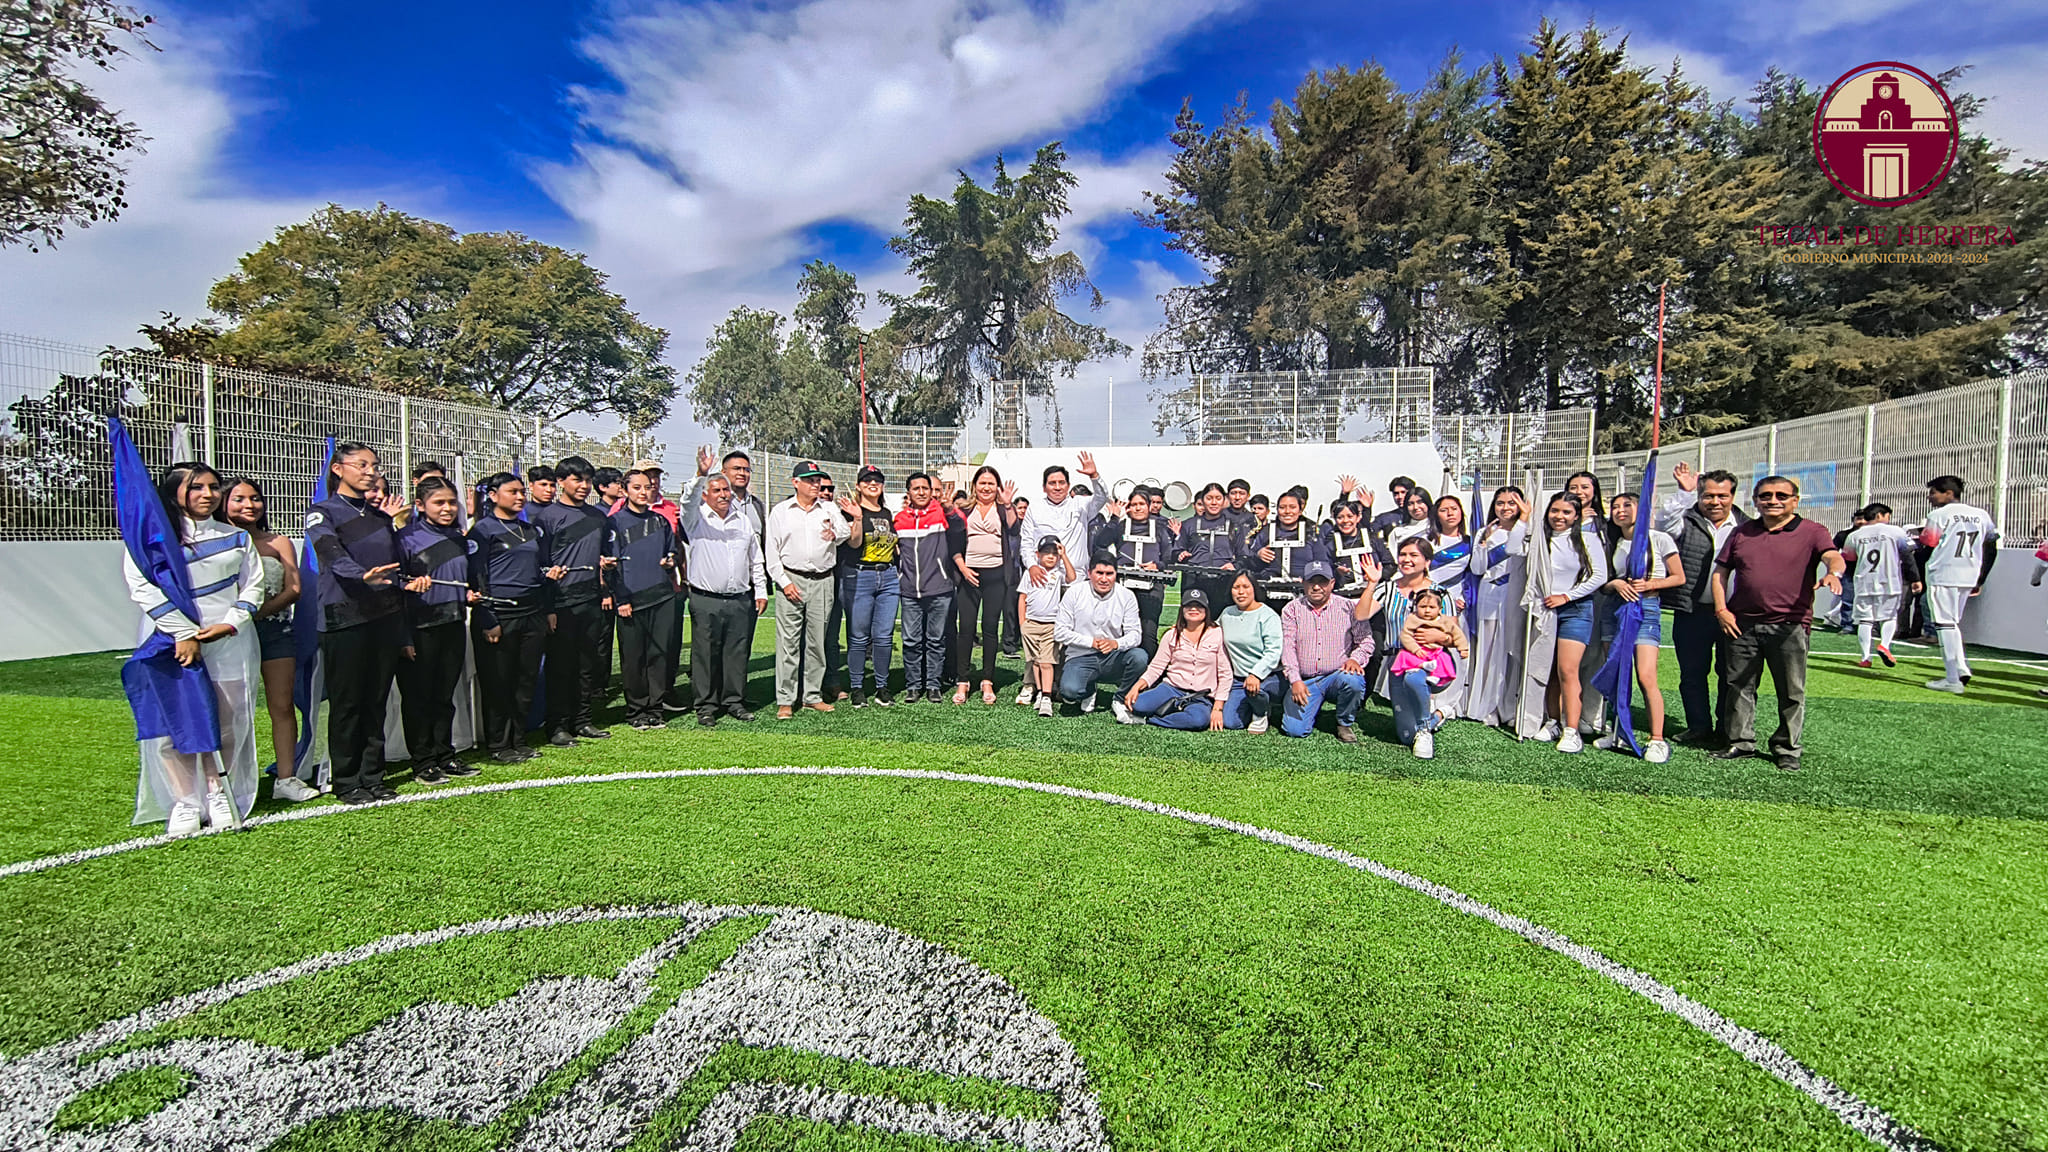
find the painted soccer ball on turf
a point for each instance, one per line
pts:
(808, 982)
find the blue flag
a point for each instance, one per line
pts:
(306, 685)
(1616, 678)
(168, 699)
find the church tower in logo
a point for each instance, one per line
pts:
(1885, 134)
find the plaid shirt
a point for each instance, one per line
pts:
(1315, 642)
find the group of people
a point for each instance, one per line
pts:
(530, 582)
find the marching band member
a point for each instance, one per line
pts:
(1209, 539)
(1139, 540)
(432, 685)
(644, 595)
(511, 572)
(579, 648)
(1284, 548)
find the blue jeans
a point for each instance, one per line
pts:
(1244, 707)
(1409, 693)
(1082, 672)
(1193, 718)
(1346, 690)
(870, 595)
(924, 640)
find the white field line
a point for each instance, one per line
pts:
(1865, 1118)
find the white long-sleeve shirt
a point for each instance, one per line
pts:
(226, 574)
(1067, 520)
(1085, 617)
(806, 541)
(724, 552)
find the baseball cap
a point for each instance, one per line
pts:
(1317, 570)
(1195, 596)
(869, 472)
(646, 465)
(806, 470)
(1049, 544)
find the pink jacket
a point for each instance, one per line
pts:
(1196, 666)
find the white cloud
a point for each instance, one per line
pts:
(1721, 80)
(182, 230)
(2016, 103)
(735, 129)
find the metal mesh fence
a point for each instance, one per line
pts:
(1353, 405)
(56, 470)
(1498, 449)
(772, 481)
(900, 449)
(1992, 433)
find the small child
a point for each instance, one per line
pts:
(1038, 606)
(1425, 634)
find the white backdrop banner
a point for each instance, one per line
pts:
(63, 596)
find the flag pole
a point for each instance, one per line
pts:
(1657, 401)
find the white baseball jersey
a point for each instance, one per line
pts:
(1877, 548)
(1958, 533)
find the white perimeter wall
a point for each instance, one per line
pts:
(60, 597)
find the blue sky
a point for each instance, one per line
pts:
(700, 152)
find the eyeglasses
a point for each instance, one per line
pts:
(1776, 497)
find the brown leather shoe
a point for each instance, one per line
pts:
(1345, 735)
(784, 711)
(819, 706)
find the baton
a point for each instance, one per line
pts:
(493, 601)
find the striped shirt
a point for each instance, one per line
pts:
(1317, 641)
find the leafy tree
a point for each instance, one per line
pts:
(772, 392)
(625, 447)
(989, 304)
(409, 305)
(60, 144)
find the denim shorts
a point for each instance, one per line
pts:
(1575, 621)
(274, 638)
(1652, 630)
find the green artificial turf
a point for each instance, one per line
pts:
(1880, 914)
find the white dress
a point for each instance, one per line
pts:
(227, 580)
(1500, 628)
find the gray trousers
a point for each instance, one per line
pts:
(1782, 648)
(800, 641)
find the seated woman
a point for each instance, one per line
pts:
(1187, 678)
(1423, 666)
(1251, 639)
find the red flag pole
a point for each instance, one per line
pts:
(1657, 402)
(864, 400)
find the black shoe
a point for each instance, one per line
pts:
(1787, 763)
(884, 700)
(647, 723)
(592, 732)
(707, 719)
(384, 792)
(355, 797)
(739, 712)
(428, 774)
(458, 768)
(1734, 754)
(860, 698)
(1013, 653)
(562, 739)
(510, 756)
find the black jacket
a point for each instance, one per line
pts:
(1695, 542)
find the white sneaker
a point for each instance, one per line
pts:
(1946, 685)
(1570, 741)
(1045, 704)
(184, 819)
(1548, 733)
(218, 813)
(1657, 752)
(1425, 746)
(1122, 711)
(1024, 693)
(293, 789)
(1259, 724)
(1604, 743)
(1088, 703)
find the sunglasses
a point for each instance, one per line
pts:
(1775, 497)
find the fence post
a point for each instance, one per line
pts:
(405, 435)
(1394, 406)
(2004, 452)
(1771, 452)
(206, 413)
(1507, 440)
(1869, 440)
(924, 452)
(536, 438)
(1296, 437)
(1590, 422)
